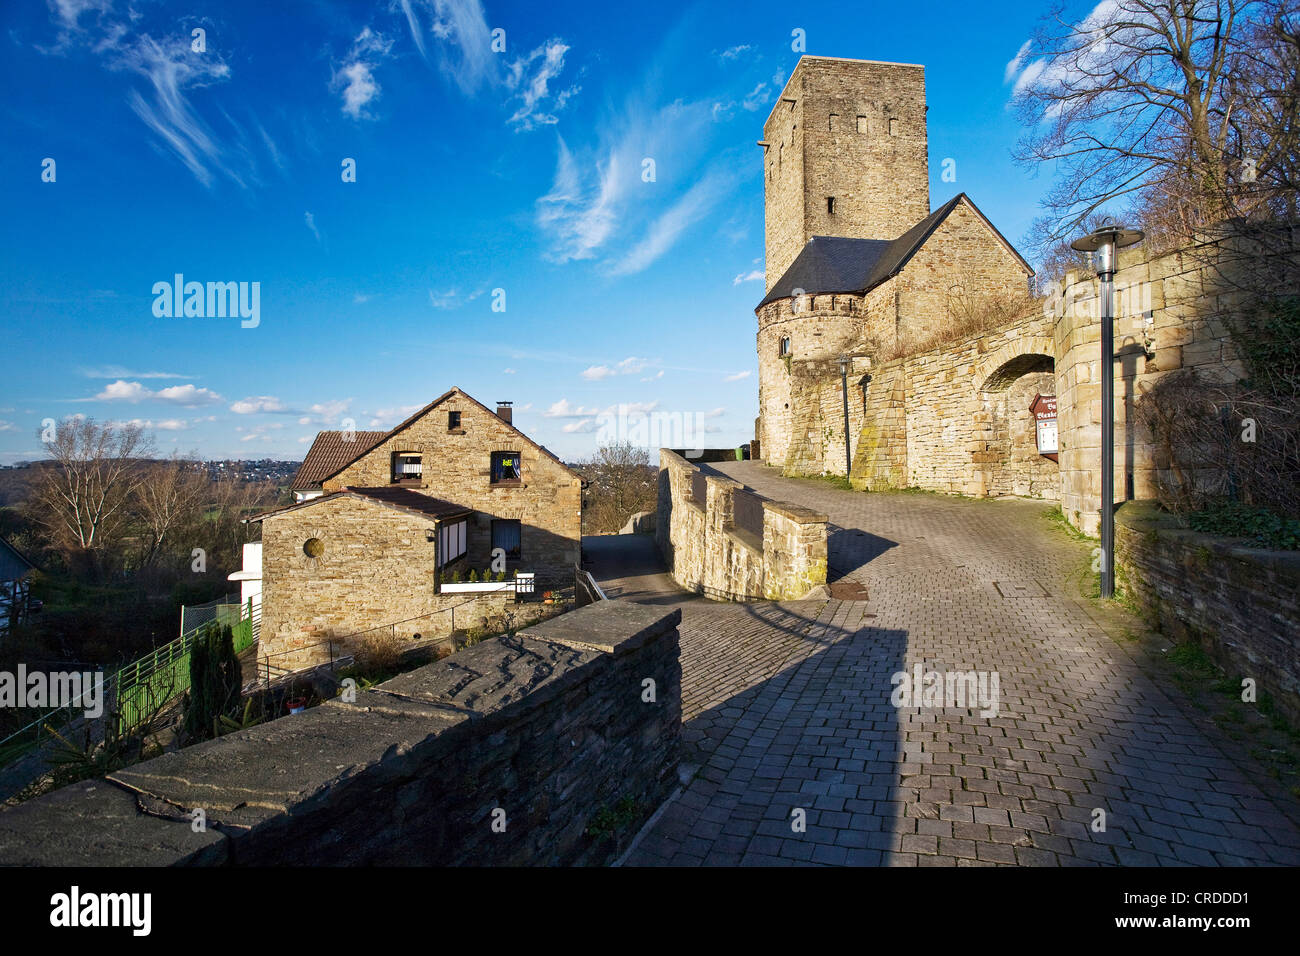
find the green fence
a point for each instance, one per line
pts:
(146, 685)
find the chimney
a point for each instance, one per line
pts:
(504, 412)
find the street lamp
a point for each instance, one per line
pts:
(1103, 242)
(845, 362)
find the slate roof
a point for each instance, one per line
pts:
(328, 453)
(400, 499)
(12, 563)
(829, 264)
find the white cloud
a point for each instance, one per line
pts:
(452, 298)
(331, 410)
(356, 77)
(586, 425)
(754, 275)
(360, 299)
(185, 395)
(562, 409)
(257, 405)
(1013, 66)
(597, 373)
(465, 54)
(7, 426)
(507, 371)
(657, 375)
(756, 99)
(311, 224)
(732, 52)
(545, 63)
(738, 376)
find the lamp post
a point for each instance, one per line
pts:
(1104, 242)
(845, 362)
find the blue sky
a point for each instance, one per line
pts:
(476, 171)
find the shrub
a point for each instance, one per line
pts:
(379, 652)
(215, 683)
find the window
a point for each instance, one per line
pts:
(407, 467)
(313, 547)
(506, 535)
(505, 467)
(453, 421)
(830, 205)
(893, 126)
(830, 125)
(785, 346)
(451, 541)
(862, 124)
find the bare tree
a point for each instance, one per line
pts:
(169, 499)
(622, 484)
(1186, 107)
(84, 499)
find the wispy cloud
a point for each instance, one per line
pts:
(531, 77)
(754, 275)
(259, 404)
(1014, 64)
(667, 228)
(738, 376)
(452, 298)
(311, 224)
(562, 409)
(732, 52)
(118, 371)
(464, 49)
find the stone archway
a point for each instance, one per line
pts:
(1007, 382)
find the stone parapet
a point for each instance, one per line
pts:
(505, 754)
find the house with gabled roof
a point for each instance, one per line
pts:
(381, 527)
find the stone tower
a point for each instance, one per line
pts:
(844, 154)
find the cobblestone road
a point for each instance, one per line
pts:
(786, 708)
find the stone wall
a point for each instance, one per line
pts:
(1187, 300)
(710, 552)
(1239, 603)
(542, 732)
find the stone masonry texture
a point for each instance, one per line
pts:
(547, 732)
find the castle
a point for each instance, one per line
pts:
(874, 301)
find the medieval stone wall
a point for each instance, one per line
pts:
(504, 755)
(1188, 299)
(714, 547)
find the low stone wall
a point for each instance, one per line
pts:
(503, 754)
(708, 551)
(1241, 604)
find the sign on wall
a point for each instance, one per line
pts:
(1044, 409)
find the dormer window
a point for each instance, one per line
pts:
(408, 468)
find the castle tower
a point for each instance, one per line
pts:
(844, 154)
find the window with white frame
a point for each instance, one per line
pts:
(451, 541)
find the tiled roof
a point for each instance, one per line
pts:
(829, 264)
(402, 499)
(328, 453)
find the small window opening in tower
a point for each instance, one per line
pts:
(830, 205)
(862, 124)
(830, 125)
(893, 126)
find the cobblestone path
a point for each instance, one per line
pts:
(786, 708)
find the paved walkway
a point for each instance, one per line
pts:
(787, 712)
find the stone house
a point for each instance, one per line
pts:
(382, 530)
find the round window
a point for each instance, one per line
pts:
(313, 547)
